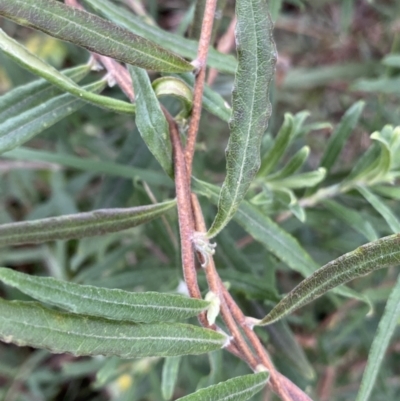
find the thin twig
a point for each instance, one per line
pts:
(185, 215)
(201, 62)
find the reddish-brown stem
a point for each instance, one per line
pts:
(185, 215)
(119, 73)
(201, 61)
(215, 285)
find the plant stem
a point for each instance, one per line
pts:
(201, 62)
(185, 214)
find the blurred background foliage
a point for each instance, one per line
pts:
(332, 53)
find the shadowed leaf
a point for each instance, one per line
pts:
(32, 63)
(386, 329)
(150, 119)
(23, 127)
(25, 97)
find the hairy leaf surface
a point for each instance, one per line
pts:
(29, 323)
(80, 225)
(251, 108)
(93, 33)
(240, 388)
(168, 40)
(113, 304)
(97, 166)
(365, 259)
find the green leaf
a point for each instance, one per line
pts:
(381, 208)
(25, 97)
(168, 40)
(23, 127)
(113, 304)
(381, 85)
(150, 119)
(251, 108)
(97, 166)
(392, 60)
(389, 192)
(37, 66)
(169, 376)
(176, 87)
(29, 323)
(240, 388)
(282, 141)
(92, 33)
(213, 102)
(339, 137)
(80, 225)
(352, 218)
(365, 259)
(294, 164)
(277, 241)
(304, 180)
(386, 329)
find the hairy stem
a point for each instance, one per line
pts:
(200, 62)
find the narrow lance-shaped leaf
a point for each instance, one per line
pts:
(303, 180)
(97, 166)
(25, 97)
(279, 242)
(294, 164)
(381, 208)
(250, 106)
(169, 376)
(240, 388)
(282, 141)
(339, 137)
(80, 225)
(168, 40)
(93, 33)
(353, 218)
(386, 329)
(29, 323)
(365, 259)
(32, 63)
(23, 127)
(150, 119)
(113, 304)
